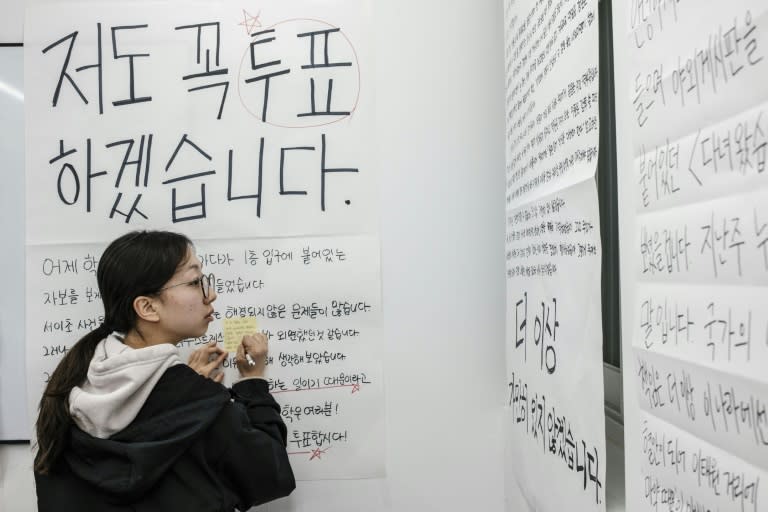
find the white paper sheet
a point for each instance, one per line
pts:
(681, 472)
(728, 411)
(694, 64)
(720, 241)
(317, 299)
(724, 328)
(554, 418)
(211, 118)
(554, 350)
(729, 156)
(552, 87)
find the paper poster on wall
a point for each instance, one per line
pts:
(318, 300)
(698, 321)
(554, 351)
(554, 420)
(552, 93)
(208, 117)
(680, 471)
(723, 328)
(250, 131)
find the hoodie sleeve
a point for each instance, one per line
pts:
(255, 463)
(262, 409)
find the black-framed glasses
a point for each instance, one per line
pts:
(206, 282)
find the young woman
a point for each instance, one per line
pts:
(125, 425)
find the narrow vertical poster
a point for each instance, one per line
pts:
(554, 420)
(698, 321)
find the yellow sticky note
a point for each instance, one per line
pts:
(235, 329)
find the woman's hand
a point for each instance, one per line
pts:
(206, 360)
(256, 346)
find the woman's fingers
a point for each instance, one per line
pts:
(221, 357)
(214, 363)
(256, 345)
(206, 359)
(205, 352)
(213, 349)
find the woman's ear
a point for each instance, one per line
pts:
(146, 309)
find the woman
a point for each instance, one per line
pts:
(124, 425)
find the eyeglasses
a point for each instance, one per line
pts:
(205, 281)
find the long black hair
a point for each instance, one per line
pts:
(137, 263)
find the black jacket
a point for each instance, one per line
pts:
(194, 446)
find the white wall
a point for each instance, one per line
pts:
(440, 108)
(440, 104)
(17, 492)
(11, 20)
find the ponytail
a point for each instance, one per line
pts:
(137, 263)
(53, 418)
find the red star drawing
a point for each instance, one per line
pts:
(317, 453)
(250, 22)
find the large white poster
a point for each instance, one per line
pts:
(250, 132)
(554, 421)
(698, 321)
(204, 116)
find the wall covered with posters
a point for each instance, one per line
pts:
(397, 241)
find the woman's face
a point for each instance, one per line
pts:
(184, 312)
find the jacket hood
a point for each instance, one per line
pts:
(118, 383)
(181, 407)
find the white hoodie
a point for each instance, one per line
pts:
(118, 383)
